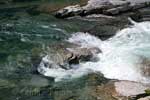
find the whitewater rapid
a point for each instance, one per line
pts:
(121, 58)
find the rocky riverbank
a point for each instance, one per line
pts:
(96, 86)
(111, 15)
(31, 33)
(106, 7)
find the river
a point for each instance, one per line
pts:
(24, 39)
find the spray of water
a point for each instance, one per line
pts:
(121, 58)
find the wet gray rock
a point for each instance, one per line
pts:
(69, 11)
(117, 10)
(145, 14)
(63, 57)
(113, 15)
(103, 31)
(107, 26)
(145, 67)
(107, 7)
(82, 54)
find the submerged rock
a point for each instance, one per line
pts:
(6, 84)
(82, 88)
(38, 81)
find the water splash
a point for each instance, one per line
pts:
(121, 58)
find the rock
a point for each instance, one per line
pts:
(96, 6)
(99, 88)
(105, 4)
(62, 57)
(117, 10)
(6, 84)
(145, 98)
(38, 81)
(108, 7)
(105, 91)
(107, 27)
(137, 6)
(145, 14)
(128, 88)
(85, 88)
(103, 31)
(49, 7)
(145, 67)
(82, 54)
(120, 90)
(69, 11)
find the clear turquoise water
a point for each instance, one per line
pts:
(23, 41)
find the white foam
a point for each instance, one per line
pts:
(85, 40)
(121, 55)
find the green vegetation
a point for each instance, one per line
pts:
(147, 91)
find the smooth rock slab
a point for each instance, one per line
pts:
(120, 90)
(145, 98)
(127, 88)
